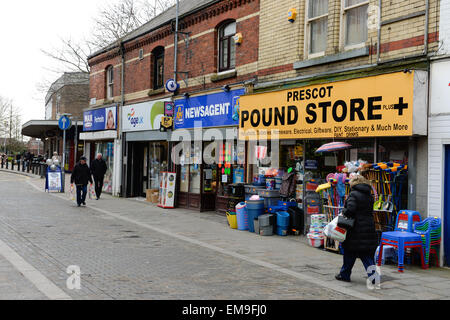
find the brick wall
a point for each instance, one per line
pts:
(282, 43)
(198, 55)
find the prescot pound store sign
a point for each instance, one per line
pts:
(379, 106)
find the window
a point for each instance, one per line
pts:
(355, 15)
(317, 27)
(109, 82)
(227, 47)
(158, 68)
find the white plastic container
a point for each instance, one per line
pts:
(315, 240)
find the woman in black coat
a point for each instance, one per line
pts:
(361, 241)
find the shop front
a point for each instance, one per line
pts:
(146, 154)
(379, 122)
(206, 151)
(100, 136)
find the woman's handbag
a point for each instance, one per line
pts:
(345, 222)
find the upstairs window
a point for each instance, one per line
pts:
(355, 15)
(227, 47)
(317, 27)
(110, 83)
(158, 68)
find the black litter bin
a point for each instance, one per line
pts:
(296, 219)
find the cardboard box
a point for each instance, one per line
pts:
(149, 194)
(155, 197)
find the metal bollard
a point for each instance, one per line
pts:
(18, 165)
(2, 162)
(42, 167)
(6, 163)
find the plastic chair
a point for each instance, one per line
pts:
(406, 219)
(401, 240)
(430, 232)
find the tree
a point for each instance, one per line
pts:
(10, 125)
(111, 24)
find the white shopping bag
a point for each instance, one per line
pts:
(72, 192)
(334, 232)
(91, 192)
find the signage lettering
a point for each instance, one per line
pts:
(373, 106)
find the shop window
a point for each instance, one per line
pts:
(393, 150)
(158, 68)
(110, 82)
(227, 47)
(354, 22)
(316, 27)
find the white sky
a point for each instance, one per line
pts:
(28, 26)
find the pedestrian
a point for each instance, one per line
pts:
(361, 240)
(98, 169)
(81, 176)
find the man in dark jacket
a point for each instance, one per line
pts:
(98, 169)
(81, 176)
(361, 240)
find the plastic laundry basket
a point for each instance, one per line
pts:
(242, 216)
(232, 220)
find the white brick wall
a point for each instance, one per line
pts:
(444, 27)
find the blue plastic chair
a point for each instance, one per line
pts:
(403, 237)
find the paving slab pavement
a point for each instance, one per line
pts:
(289, 257)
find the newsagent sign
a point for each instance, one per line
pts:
(385, 105)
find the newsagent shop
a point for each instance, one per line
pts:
(205, 140)
(326, 132)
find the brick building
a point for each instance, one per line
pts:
(336, 43)
(133, 74)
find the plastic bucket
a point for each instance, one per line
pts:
(232, 220)
(255, 208)
(315, 240)
(242, 216)
(282, 231)
(283, 219)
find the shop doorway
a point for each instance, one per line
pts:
(147, 161)
(446, 217)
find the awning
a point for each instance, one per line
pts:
(206, 134)
(150, 135)
(100, 135)
(41, 128)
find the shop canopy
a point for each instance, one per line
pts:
(333, 146)
(41, 128)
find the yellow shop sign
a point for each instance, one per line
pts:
(369, 107)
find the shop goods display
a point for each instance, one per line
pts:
(242, 216)
(315, 235)
(255, 208)
(430, 232)
(282, 223)
(271, 197)
(389, 254)
(232, 220)
(251, 190)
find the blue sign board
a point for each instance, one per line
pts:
(100, 119)
(213, 110)
(64, 123)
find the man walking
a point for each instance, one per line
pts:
(98, 169)
(81, 175)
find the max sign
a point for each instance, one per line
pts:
(368, 107)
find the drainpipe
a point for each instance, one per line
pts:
(427, 11)
(379, 30)
(122, 167)
(175, 64)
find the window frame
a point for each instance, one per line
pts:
(110, 82)
(308, 21)
(157, 53)
(229, 39)
(343, 27)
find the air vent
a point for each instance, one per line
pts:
(141, 54)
